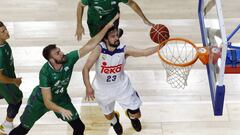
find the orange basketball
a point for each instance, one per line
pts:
(159, 33)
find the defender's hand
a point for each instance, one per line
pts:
(79, 32)
(66, 114)
(18, 81)
(148, 23)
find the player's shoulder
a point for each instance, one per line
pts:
(129, 48)
(45, 68)
(102, 45)
(122, 46)
(74, 52)
(45, 65)
(4, 45)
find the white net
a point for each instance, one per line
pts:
(178, 56)
(177, 76)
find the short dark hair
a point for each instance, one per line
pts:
(109, 30)
(1, 24)
(47, 50)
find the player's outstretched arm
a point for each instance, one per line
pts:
(138, 10)
(136, 52)
(92, 58)
(47, 98)
(92, 43)
(80, 28)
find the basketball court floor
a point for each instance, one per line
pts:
(165, 111)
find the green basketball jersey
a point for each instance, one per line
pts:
(56, 80)
(102, 11)
(6, 60)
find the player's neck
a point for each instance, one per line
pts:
(56, 66)
(110, 48)
(2, 42)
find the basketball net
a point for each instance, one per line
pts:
(178, 56)
(177, 76)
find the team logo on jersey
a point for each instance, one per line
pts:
(66, 68)
(110, 69)
(11, 60)
(57, 83)
(11, 57)
(103, 57)
(113, 2)
(102, 11)
(7, 52)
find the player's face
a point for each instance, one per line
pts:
(4, 35)
(113, 39)
(58, 56)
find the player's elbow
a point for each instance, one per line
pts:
(47, 104)
(1, 74)
(1, 77)
(85, 70)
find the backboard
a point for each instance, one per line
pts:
(214, 35)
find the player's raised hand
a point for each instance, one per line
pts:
(66, 114)
(89, 94)
(79, 32)
(147, 22)
(18, 81)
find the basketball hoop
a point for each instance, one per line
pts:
(178, 56)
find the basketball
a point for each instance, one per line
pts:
(159, 33)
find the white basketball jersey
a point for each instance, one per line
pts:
(110, 80)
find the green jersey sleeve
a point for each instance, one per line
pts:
(73, 56)
(1, 60)
(44, 79)
(124, 1)
(85, 2)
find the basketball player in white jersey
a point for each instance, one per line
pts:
(111, 84)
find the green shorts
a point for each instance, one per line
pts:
(11, 93)
(94, 27)
(35, 109)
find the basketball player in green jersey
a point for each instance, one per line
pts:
(51, 93)
(102, 11)
(9, 84)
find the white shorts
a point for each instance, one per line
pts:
(131, 102)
